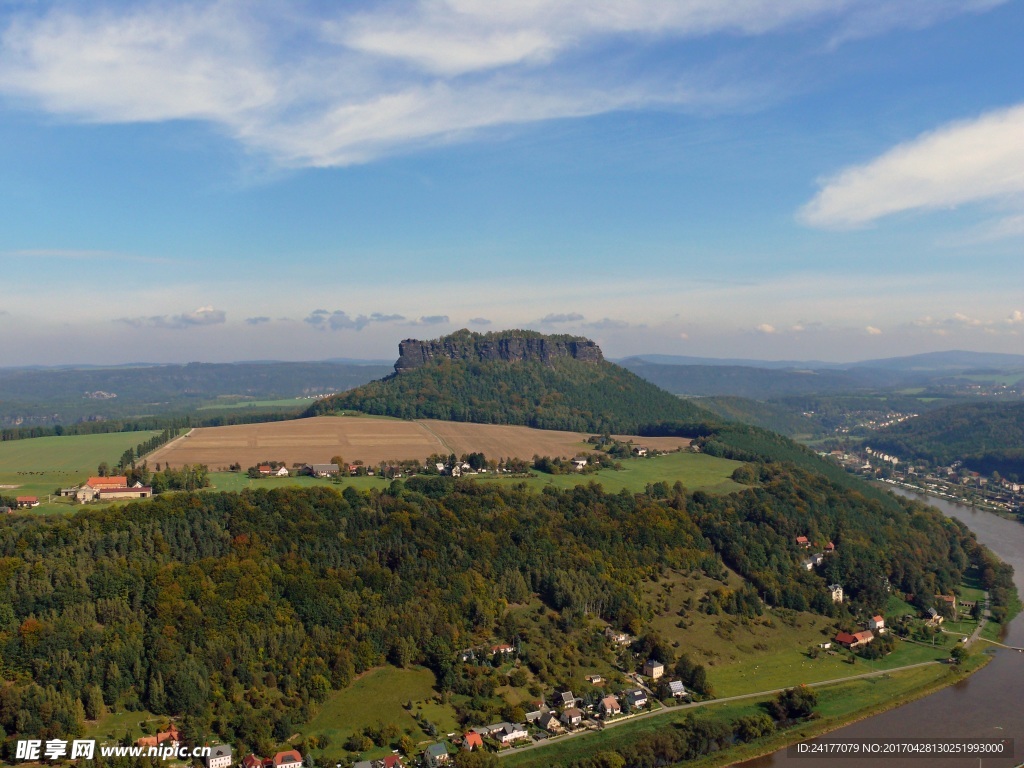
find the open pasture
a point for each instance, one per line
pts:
(371, 440)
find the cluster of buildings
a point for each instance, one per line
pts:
(111, 488)
(288, 759)
(391, 761)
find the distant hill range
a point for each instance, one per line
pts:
(47, 396)
(518, 377)
(987, 437)
(761, 380)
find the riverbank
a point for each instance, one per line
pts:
(840, 703)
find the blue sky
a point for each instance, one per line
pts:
(829, 179)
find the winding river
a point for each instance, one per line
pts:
(989, 704)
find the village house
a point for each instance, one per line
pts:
(572, 717)
(26, 502)
(636, 698)
(579, 462)
(854, 640)
(252, 761)
(803, 541)
(281, 471)
(322, 470)
(830, 547)
(566, 699)
(137, 491)
(877, 623)
(934, 617)
(837, 592)
(653, 669)
(287, 759)
(618, 638)
(504, 649)
(508, 733)
(594, 679)
(264, 469)
(639, 450)
(472, 741)
(390, 761)
(436, 754)
(550, 723)
(219, 757)
(677, 689)
(171, 738)
(610, 706)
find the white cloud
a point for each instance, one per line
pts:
(327, 85)
(963, 162)
(873, 331)
(203, 316)
(556, 318)
(766, 328)
(339, 320)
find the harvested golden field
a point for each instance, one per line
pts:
(370, 440)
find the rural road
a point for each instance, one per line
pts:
(667, 710)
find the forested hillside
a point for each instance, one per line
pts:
(563, 393)
(242, 611)
(987, 437)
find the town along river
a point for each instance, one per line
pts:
(987, 705)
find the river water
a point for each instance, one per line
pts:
(988, 705)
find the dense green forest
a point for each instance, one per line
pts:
(987, 437)
(241, 612)
(561, 394)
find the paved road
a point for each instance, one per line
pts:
(668, 710)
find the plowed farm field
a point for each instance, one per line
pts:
(371, 440)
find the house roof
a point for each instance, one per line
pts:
(393, 761)
(473, 739)
(220, 750)
(26, 499)
(676, 686)
(573, 712)
(288, 756)
(653, 663)
(877, 619)
(867, 634)
(845, 638)
(251, 761)
(801, 540)
(436, 750)
(117, 481)
(610, 702)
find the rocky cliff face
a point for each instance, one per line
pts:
(510, 348)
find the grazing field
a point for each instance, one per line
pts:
(370, 440)
(40, 465)
(378, 698)
(696, 471)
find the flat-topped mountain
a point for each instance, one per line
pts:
(506, 346)
(518, 377)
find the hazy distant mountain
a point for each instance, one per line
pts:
(951, 360)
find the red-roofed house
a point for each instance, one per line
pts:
(830, 547)
(503, 649)
(391, 761)
(877, 623)
(846, 639)
(288, 759)
(264, 469)
(27, 501)
(803, 541)
(471, 741)
(251, 761)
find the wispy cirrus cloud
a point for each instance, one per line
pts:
(972, 161)
(334, 84)
(201, 317)
(339, 320)
(557, 318)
